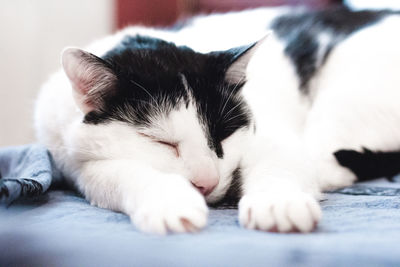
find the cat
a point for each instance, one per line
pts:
(268, 107)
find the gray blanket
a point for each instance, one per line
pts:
(25, 171)
(360, 227)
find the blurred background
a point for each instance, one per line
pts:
(34, 32)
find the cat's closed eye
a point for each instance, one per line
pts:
(173, 146)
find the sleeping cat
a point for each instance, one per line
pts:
(155, 123)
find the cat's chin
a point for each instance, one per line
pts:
(212, 198)
(216, 195)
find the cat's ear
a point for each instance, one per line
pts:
(236, 72)
(90, 76)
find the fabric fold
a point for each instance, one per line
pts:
(25, 171)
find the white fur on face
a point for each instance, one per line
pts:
(182, 127)
(195, 160)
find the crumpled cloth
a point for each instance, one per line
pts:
(25, 171)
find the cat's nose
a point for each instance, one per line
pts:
(205, 184)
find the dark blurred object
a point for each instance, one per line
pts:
(166, 12)
(150, 12)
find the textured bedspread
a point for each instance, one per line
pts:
(360, 227)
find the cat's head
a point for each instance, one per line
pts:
(176, 109)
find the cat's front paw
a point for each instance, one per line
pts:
(287, 212)
(172, 206)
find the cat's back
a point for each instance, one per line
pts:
(310, 39)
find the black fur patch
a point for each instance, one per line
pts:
(301, 31)
(368, 165)
(150, 72)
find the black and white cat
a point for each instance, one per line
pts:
(143, 124)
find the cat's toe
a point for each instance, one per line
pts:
(181, 220)
(304, 214)
(279, 212)
(190, 220)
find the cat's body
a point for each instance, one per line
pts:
(152, 125)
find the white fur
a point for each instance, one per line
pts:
(286, 164)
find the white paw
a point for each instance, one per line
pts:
(286, 212)
(172, 206)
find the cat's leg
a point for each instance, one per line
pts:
(279, 185)
(279, 189)
(156, 202)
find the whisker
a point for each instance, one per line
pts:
(232, 109)
(239, 82)
(234, 117)
(231, 94)
(144, 89)
(226, 102)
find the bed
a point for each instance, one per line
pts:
(360, 227)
